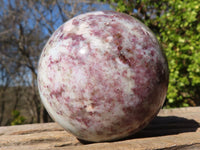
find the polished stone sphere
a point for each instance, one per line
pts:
(103, 76)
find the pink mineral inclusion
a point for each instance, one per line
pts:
(102, 76)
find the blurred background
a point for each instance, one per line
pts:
(25, 27)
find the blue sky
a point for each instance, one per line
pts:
(31, 22)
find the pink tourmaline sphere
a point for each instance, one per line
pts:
(102, 76)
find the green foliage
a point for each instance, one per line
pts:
(176, 24)
(17, 118)
(181, 41)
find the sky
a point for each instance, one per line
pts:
(48, 15)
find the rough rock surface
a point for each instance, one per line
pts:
(173, 129)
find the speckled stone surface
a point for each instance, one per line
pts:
(102, 76)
